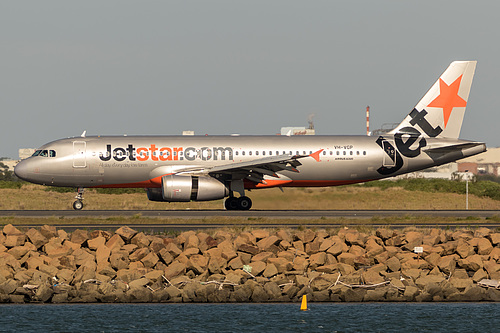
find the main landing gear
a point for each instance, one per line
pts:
(78, 204)
(241, 203)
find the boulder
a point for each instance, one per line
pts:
(265, 243)
(494, 238)
(115, 242)
(83, 258)
(353, 237)
(347, 258)
(376, 295)
(270, 271)
(464, 249)
(393, 264)
(253, 250)
(282, 264)
(216, 264)
(49, 231)
(36, 238)
(139, 283)
(9, 230)
(410, 293)
(338, 247)
(14, 240)
(259, 294)
(126, 233)
(96, 242)
(44, 293)
(484, 246)
(385, 234)
(119, 260)
(263, 256)
(460, 284)
(272, 290)
(306, 236)
(140, 295)
(79, 236)
(424, 281)
(102, 254)
(174, 269)
(8, 286)
(260, 234)
(479, 275)
(139, 254)
(354, 295)
(140, 239)
(447, 264)
(372, 247)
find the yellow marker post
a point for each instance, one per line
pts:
(303, 306)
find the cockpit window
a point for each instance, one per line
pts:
(45, 153)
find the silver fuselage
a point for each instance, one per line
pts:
(141, 161)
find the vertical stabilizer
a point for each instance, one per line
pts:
(441, 111)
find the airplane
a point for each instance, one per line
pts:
(202, 168)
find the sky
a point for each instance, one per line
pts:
(216, 67)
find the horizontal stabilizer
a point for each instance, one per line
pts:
(452, 148)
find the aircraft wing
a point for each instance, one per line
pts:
(255, 170)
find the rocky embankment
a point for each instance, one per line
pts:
(49, 265)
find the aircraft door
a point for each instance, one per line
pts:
(79, 152)
(389, 159)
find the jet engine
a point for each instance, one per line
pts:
(176, 188)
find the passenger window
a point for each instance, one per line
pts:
(364, 153)
(351, 152)
(345, 152)
(250, 153)
(263, 153)
(324, 152)
(357, 153)
(243, 153)
(256, 152)
(338, 153)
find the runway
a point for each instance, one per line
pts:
(272, 214)
(170, 220)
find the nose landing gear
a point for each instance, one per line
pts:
(78, 204)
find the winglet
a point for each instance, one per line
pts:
(315, 155)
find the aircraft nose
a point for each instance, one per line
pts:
(22, 170)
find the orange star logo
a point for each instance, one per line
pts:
(448, 98)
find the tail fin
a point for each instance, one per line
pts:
(441, 111)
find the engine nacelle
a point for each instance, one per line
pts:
(155, 194)
(188, 188)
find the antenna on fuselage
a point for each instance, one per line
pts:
(84, 133)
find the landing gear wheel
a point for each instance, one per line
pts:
(231, 203)
(77, 205)
(244, 203)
